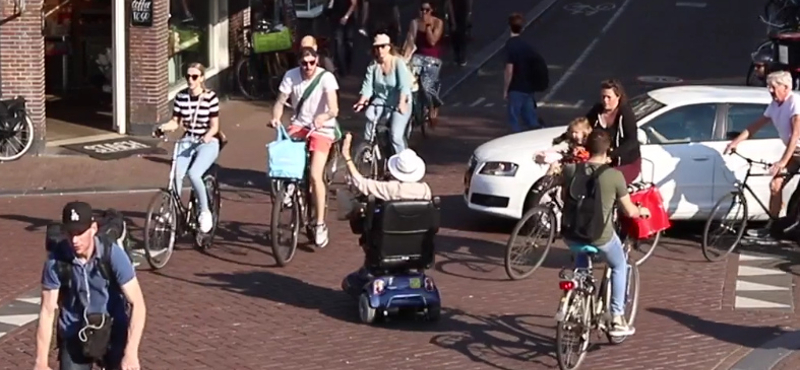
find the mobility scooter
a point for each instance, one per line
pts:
(398, 242)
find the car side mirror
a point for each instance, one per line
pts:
(730, 135)
(641, 136)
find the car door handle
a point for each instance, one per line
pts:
(701, 159)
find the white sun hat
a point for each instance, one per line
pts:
(407, 166)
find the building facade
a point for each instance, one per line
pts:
(37, 35)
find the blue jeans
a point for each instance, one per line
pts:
(398, 123)
(206, 155)
(615, 256)
(522, 107)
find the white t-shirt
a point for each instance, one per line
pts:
(782, 116)
(294, 85)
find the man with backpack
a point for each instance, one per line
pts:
(525, 74)
(90, 279)
(591, 190)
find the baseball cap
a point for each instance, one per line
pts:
(77, 217)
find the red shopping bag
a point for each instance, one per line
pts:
(650, 198)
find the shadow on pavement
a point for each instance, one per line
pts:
(456, 216)
(495, 339)
(232, 177)
(746, 336)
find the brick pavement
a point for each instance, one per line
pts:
(233, 309)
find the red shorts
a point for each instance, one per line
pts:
(316, 142)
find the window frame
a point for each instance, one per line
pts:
(218, 55)
(717, 131)
(725, 125)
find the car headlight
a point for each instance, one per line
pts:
(499, 169)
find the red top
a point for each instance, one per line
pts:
(425, 48)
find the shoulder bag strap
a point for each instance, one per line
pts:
(308, 92)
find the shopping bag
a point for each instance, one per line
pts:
(650, 198)
(287, 158)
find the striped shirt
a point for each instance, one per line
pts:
(195, 113)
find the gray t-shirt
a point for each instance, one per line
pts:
(612, 188)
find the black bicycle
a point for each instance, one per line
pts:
(421, 112)
(370, 157)
(258, 75)
(168, 218)
(730, 214)
(294, 196)
(16, 129)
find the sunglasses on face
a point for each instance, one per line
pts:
(192, 77)
(378, 47)
(425, 10)
(308, 63)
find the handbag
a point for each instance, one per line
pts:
(287, 158)
(643, 228)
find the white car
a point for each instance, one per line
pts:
(683, 131)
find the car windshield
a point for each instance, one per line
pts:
(643, 105)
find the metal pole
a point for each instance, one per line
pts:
(118, 73)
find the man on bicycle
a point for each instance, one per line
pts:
(583, 225)
(314, 98)
(784, 112)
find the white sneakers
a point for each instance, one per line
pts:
(206, 221)
(321, 236)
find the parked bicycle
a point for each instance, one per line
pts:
(532, 236)
(370, 157)
(585, 306)
(730, 214)
(258, 74)
(16, 129)
(168, 218)
(294, 196)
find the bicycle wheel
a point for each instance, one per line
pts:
(529, 242)
(15, 140)
(730, 213)
(572, 333)
(631, 299)
(642, 249)
(284, 233)
(276, 66)
(160, 229)
(248, 79)
(205, 240)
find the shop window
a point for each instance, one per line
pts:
(189, 36)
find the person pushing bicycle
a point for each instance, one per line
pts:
(313, 91)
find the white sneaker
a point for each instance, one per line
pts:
(620, 327)
(321, 235)
(206, 221)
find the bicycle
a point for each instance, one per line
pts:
(520, 262)
(16, 129)
(736, 198)
(421, 110)
(585, 306)
(259, 74)
(779, 14)
(295, 196)
(167, 214)
(370, 157)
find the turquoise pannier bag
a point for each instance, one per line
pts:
(287, 158)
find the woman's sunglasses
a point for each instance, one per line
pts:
(192, 77)
(425, 9)
(378, 47)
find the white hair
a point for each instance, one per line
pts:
(780, 78)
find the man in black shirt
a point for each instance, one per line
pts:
(340, 14)
(381, 16)
(521, 77)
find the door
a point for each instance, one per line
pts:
(764, 145)
(677, 159)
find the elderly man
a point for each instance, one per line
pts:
(784, 113)
(310, 42)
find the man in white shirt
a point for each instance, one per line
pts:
(315, 120)
(784, 113)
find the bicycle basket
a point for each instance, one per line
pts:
(268, 42)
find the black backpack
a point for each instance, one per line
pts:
(111, 229)
(583, 219)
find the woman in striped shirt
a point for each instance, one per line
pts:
(197, 110)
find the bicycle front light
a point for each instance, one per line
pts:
(499, 169)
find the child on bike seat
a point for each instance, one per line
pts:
(575, 137)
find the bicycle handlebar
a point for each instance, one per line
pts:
(751, 161)
(371, 104)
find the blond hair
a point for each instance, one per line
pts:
(200, 67)
(580, 123)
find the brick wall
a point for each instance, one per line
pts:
(148, 84)
(22, 61)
